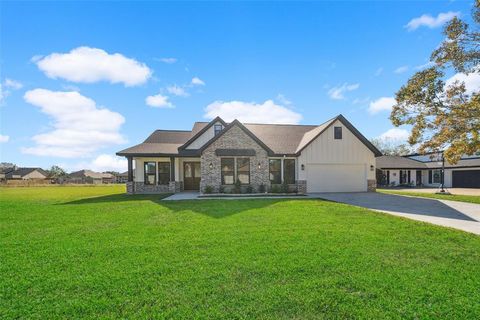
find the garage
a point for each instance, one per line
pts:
(466, 178)
(336, 178)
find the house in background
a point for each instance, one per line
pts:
(26, 174)
(121, 177)
(331, 157)
(426, 170)
(90, 177)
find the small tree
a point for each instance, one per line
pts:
(56, 172)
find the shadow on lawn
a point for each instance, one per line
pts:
(212, 208)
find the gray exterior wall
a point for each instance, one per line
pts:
(234, 138)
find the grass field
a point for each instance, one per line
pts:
(454, 197)
(93, 252)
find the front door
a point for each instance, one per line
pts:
(419, 178)
(191, 175)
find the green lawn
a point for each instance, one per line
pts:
(454, 197)
(93, 252)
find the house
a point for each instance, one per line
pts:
(4, 171)
(426, 170)
(331, 157)
(26, 174)
(91, 177)
(121, 177)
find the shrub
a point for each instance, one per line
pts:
(221, 189)
(261, 188)
(250, 189)
(208, 189)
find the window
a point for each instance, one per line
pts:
(437, 176)
(275, 171)
(228, 165)
(337, 133)
(149, 173)
(217, 128)
(163, 172)
(403, 176)
(289, 171)
(243, 170)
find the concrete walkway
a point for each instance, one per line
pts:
(453, 214)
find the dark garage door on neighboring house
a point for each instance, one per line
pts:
(466, 179)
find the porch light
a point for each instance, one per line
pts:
(210, 166)
(259, 165)
(303, 167)
(371, 167)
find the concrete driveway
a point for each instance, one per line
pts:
(453, 214)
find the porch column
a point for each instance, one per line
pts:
(130, 169)
(172, 168)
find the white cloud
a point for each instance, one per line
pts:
(158, 101)
(80, 127)
(337, 93)
(107, 162)
(395, 134)
(7, 86)
(89, 65)
(9, 83)
(168, 60)
(401, 69)
(381, 104)
(4, 138)
(378, 72)
(471, 81)
(251, 112)
(281, 98)
(427, 20)
(177, 91)
(197, 81)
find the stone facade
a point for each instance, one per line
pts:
(175, 186)
(371, 185)
(302, 186)
(143, 188)
(234, 138)
(129, 185)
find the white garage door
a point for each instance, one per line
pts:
(336, 178)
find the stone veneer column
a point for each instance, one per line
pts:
(371, 185)
(302, 186)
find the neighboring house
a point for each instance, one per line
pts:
(331, 157)
(26, 174)
(426, 170)
(4, 171)
(121, 177)
(91, 177)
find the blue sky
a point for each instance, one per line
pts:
(76, 76)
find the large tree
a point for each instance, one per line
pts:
(445, 116)
(389, 147)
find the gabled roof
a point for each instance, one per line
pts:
(278, 139)
(244, 129)
(201, 131)
(312, 135)
(91, 174)
(399, 162)
(24, 171)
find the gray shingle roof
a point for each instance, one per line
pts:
(398, 162)
(24, 171)
(281, 139)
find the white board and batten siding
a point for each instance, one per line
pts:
(336, 165)
(203, 138)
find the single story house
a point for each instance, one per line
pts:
(426, 170)
(26, 174)
(330, 157)
(91, 177)
(121, 177)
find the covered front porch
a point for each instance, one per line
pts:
(411, 177)
(163, 174)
